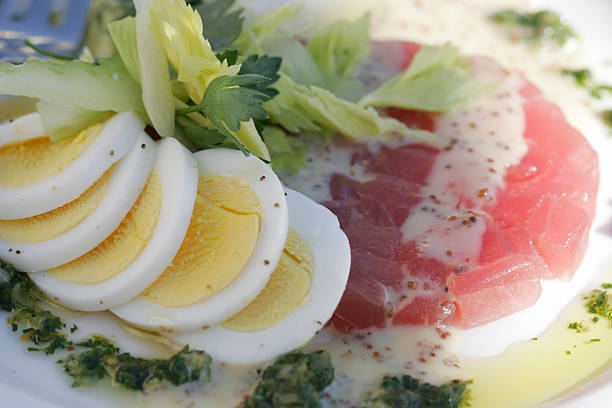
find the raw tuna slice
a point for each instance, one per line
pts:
(463, 234)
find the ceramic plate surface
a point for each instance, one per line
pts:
(33, 380)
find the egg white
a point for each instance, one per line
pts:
(22, 129)
(178, 174)
(320, 229)
(245, 287)
(125, 185)
(118, 135)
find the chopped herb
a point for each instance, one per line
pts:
(584, 79)
(568, 352)
(103, 359)
(406, 391)
(41, 328)
(293, 380)
(597, 303)
(13, 286)
(534, 338)
(19, 296)
(541, 27)
(598, 90)
(578, 326)
(595, 340)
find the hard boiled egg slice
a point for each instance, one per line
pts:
(234, 241)
(299, 299)
(22, 129)
(65, 233)
(37, 176)
(141, 248)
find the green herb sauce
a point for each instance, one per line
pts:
(542, 28)
(406, 391)
(95, 358)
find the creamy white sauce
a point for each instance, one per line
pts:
(361, 361)
(322, 162)
(480, 141)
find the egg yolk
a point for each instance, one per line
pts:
(286, 290)
(35, 160)
(219, 242)
(54, 223)
(123, 246)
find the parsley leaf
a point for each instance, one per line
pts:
(229, 100)
(203, 138)
(232, 99)
(221, 24)
(231, 56)
(265, 66)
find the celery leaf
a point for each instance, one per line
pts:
(438, 80)
(300, 108)
(342, 46)
(265, 66)
(102, 87)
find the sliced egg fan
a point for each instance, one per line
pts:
(37, 176)
(56, 237)
(236, 237)
(140, 249)
(320, 231)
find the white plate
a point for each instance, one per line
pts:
(32, 380)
